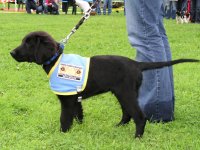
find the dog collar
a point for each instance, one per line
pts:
(61, 48)
(52, 59)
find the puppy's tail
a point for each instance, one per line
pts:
(156, 65)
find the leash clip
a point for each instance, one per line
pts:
(87, 15)
(79, 90)
(79, 99)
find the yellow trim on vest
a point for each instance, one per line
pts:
(53, 68)
(64, 93)
(86, 75)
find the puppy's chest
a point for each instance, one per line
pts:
(69, 74)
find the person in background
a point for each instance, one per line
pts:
(51, 7)
(40, 7)
(81, 3)
(171, 6)
(182, 14)
(30, 4)
(98, 7)
(147, 35)
(73, 9)
(165, 3)
(65, 6)
(107, 3)
(195, 11)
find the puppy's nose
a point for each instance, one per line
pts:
(12, 53)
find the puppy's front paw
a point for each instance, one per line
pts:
(64, 129)
(138, 136)
(79, 120)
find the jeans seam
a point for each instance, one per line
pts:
(157, 92)
(143, 21)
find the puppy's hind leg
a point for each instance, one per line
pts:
(125, 118)
(128, 101)
(135, 112)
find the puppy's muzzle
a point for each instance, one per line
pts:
(16, 56)
(13, 54)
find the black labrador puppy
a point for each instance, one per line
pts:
(120, 75)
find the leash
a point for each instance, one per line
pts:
(82, 20)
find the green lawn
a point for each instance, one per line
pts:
(29, 111)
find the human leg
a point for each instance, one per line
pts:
(155, 94)
(65, 7)
(184, 5)
(99, 9)
(39, 9)
(45, 9)
(28, 9)
(193, 10)
(168, 9)
(109, 7)
(168, 56)
(173, 12)
(105, 6)
(33, 5)
(197, 11)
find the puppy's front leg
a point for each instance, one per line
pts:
(67, 112)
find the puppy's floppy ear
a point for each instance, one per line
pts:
(38, 56)
(44, 49)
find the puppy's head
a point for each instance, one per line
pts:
(36, 47)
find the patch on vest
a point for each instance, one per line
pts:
(70, 72)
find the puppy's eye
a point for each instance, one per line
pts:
(27, 40)
(27, 45)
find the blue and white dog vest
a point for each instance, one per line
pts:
(69, 73)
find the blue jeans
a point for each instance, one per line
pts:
(98, 8)
(195, 11)
(147, 35)
(109, 4)
(171, 9)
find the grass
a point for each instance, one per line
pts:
(29, 111)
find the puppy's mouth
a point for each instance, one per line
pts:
(20, 58)
(15, 56)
